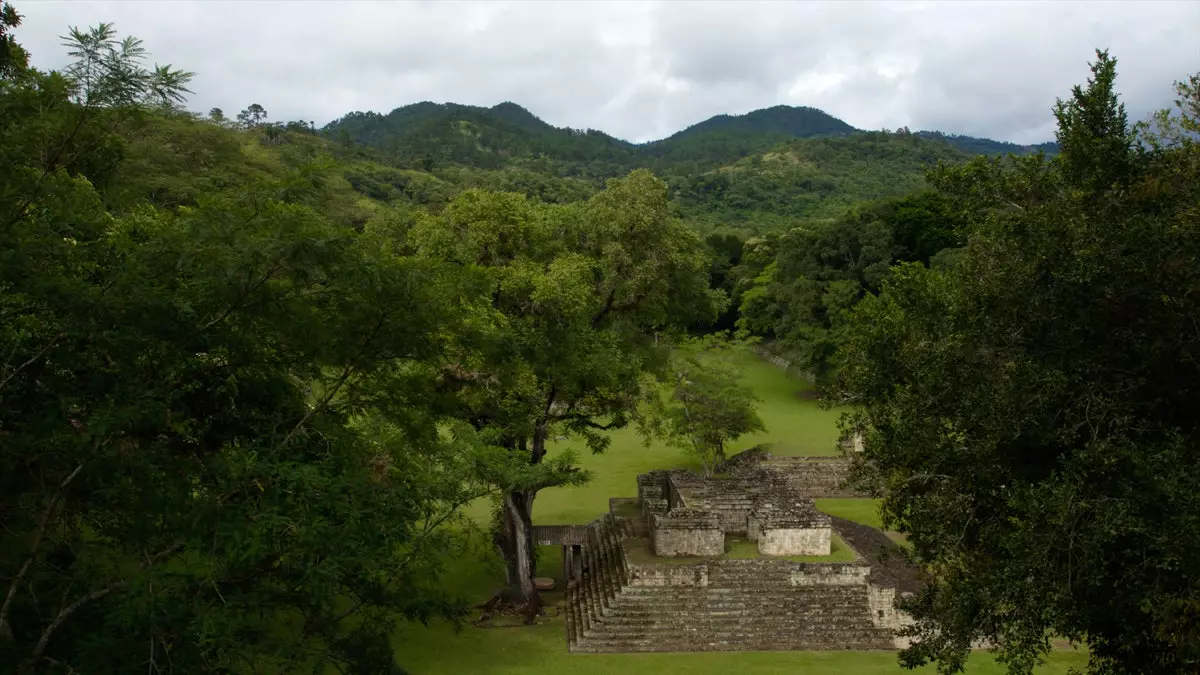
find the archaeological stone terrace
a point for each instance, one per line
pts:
(656, 573)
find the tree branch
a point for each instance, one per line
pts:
(608, 305)
(66, 613)
(33, 549)
(42, 642)
(32, 359)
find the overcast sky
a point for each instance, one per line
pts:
(642, 71)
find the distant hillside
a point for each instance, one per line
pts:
(986, 146)
(726, 138)
(794, 122)
(426, 135)
(813, 178)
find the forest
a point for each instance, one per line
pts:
(259, 379)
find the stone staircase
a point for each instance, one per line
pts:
(725, 605)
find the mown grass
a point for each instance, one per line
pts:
(865, 511)
(542, 650)
(795, 425)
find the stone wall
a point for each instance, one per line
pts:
(815, 477)
(881, 602)
(795, 541)
(718, 573)
(687, 533)
(688, 542)
(829, 574)
(668, 575)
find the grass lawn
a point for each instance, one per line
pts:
(542, 650)
(865, 511)
(796, 425)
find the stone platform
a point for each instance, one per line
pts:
(617, 605)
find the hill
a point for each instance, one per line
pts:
(727, 138)
(427, 134)
(813, 178)
(755, 172)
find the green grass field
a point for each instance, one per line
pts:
(796, 425)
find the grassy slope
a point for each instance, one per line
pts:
(795, 426)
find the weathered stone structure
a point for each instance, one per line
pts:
(616, 603)
(689, 515)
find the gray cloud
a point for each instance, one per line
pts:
(645, 70)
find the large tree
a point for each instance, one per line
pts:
(216, 446)
(583, 301)
(1031, 411)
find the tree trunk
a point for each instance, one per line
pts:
(516, 541)
(520, 562)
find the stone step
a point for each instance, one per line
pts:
(851, 633)
(734, 644)
(859, 628)
(819, 593)
(774, 612)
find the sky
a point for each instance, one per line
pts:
(644, 70)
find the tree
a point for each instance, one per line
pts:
(13, 58)
(706, 406)
(107, 72)
(219, 446)
(1030, 411)
(822, 271)
(577, 294)
(252, 116)
(217, 115)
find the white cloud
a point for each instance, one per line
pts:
(645, 70)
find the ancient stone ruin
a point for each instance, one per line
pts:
(654, 574)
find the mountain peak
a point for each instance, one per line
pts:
(781, 120)
(518, 116)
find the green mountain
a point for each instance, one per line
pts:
(726, 138)
(763, 170)
(431, 134)
(783, 120)
(424, 135)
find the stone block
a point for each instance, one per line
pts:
(687, 533)
(794, 541)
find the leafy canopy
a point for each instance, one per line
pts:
(1030, 411)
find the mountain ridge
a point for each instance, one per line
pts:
(784, 122)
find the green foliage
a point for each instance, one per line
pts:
(221, 444)
(818, 178)
(706, 406)
(109, 72)
(576, 293)
(804, 297)
(253, 115)
(1031, 409)
(13, 59)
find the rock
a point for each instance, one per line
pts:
(543, 583)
